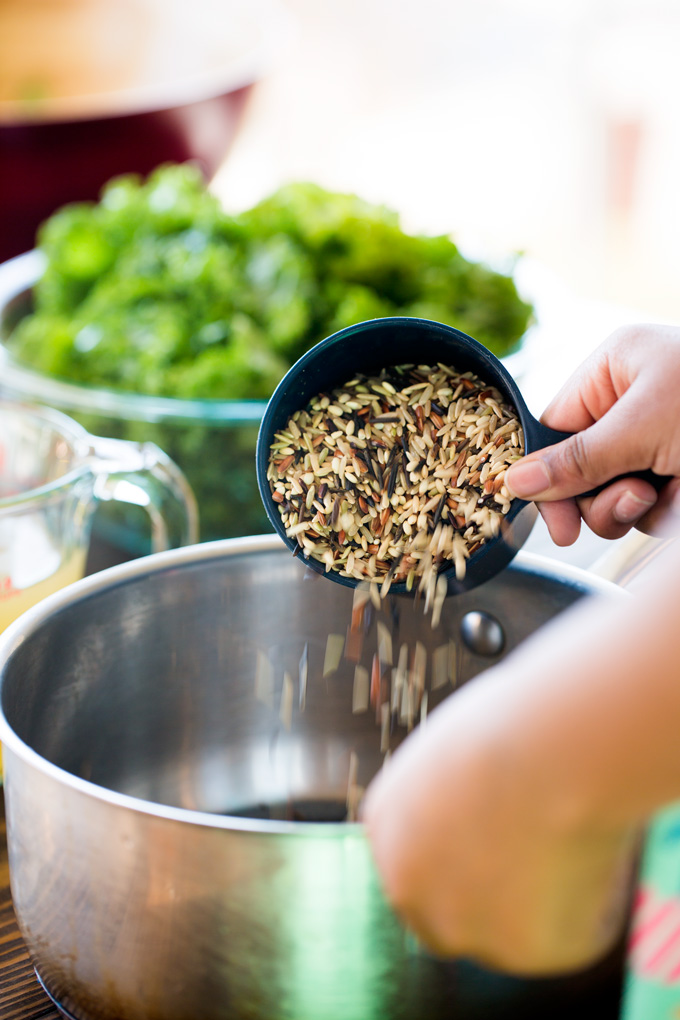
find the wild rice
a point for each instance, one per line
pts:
(354, 791)
(412, 480)
(440, 667)
(335, 644)
(360, 690)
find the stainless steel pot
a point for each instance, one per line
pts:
(145, 708)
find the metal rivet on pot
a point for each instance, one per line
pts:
(482, 633)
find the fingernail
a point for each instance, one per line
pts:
(630, 508)
(527, 479)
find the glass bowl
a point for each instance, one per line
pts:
(212, 441)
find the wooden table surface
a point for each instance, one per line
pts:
(21, 997)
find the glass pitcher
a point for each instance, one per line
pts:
(52, 474)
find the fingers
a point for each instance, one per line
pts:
(612, 447)
(620, 405)
(586, 396)
(627, 354)
(618, 508)
(664, 517)
(563, 520)
(611, 514)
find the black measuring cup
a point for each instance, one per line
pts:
(368, 347)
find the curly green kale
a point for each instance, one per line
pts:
(156, 290)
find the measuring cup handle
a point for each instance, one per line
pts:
(141, 473)
(541, 436)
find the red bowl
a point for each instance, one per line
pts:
(64, 148)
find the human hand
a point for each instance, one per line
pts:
(476, 863)
(623, 406)
(504, 829)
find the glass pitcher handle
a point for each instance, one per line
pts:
(141, 473)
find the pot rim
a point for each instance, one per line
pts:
(30, 621)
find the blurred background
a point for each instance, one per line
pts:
(550, 129)
(517, 125)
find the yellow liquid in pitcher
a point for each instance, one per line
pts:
(15, 601)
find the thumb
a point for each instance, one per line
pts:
(584, 461)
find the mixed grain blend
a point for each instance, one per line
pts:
(393, 477)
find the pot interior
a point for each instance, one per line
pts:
(204, 679)
(241, 684)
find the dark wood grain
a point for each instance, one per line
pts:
(21, 997)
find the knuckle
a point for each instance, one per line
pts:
(576, 459)
(605, 527)
(666, 462)
(630, 335)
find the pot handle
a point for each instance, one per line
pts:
(141, 473)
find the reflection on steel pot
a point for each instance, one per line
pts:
(151, 771)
